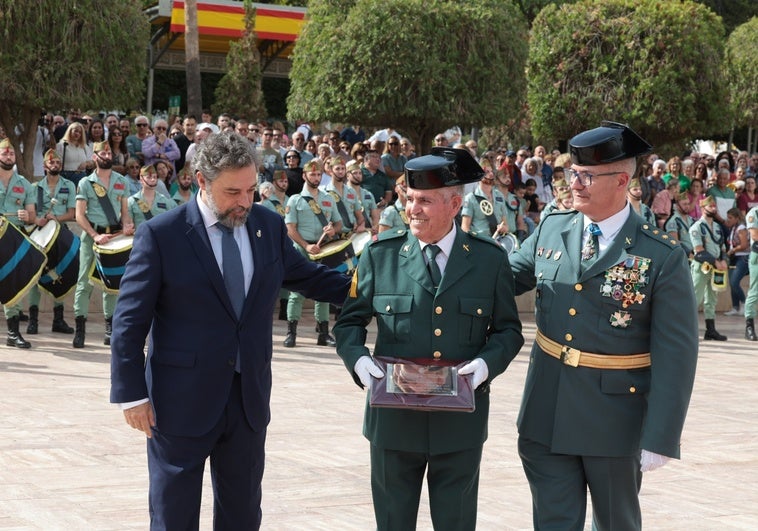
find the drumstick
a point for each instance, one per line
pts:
(323, 235)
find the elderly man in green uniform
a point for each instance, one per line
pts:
(148, 203)
(55, 201)
(102, 209)
(274, 197)
(312, 219)
(679, 223)
(393, 217)
(610, 373)
(442, 294)
(751, 300)
(709, 246)
(484, 210)
(16, 204)
(345, 198)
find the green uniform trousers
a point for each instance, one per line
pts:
(83, 285)
(12, 311)
(35, 296)
(295, 303)
(559, 489)
(704, 293)
(751, 300)
(397, 478)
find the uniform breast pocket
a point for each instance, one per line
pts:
(393, 317)
(546, 273)
(475, 316)
(617, 321)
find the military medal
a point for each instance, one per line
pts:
(624, 281)
(621, 319)
(99, 190)
(143, 206)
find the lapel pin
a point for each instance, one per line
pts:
(405, 249)
(258, 233)
(628, 240)
(465, 246)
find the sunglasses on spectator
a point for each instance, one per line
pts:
(252, 129)
(141, 125)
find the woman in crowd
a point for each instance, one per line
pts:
(739, 252)
(674, 169)
(117, 142)
(664, 201)
(95, 132)
(165, 176)
(133, 167)
(748, 198)
(294, 172)
(696, 193)
(75, 153)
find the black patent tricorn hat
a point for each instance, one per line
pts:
(443, 167)
(610, 142)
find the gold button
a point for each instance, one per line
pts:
(572, 311)
(438, 310)
(388, 308)
(437, 332)
(632, 389)
(437, 354)
(478, 311)
(568, 337)
(578, 287)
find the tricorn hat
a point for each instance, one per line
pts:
(608, 143)
(443, 167)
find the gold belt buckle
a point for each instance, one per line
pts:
(570, 356)
(108, 229)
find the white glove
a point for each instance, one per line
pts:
(479, 368)
(365, 368)
(649, 461)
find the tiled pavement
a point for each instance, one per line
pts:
(69, 461)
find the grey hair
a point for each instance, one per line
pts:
(659, 162)
(223, 151)
(267, 187)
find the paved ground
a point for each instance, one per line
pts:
(68, 460)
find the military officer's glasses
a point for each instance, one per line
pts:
(585, 177)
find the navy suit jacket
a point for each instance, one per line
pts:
(173, 290)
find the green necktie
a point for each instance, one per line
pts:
(431, 252)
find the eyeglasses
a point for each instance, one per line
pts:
(291, 157)
(159, 128)
(252, 129)
(141, 125)
(393, 144)
(585, 177)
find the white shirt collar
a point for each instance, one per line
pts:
(445, 244)
(610, 226)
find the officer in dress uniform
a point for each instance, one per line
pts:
(610, 373)
(148, 203)
(55, 200)
(457, 305)
(709, 246)
(310, 215)
(17, 205)
(102, 210)
(751, 300)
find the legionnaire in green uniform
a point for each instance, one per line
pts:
(709, 246)
(102, 209)
(559, 186)
(634, 196)
(55, 200)
(347, 201)
(610, 374)
(274, 197)
(148, 202)
(751, 298)
(183, 189)
(368, 201)
(17, 205)
(460, 309)
(679, 223)
(310, 215)
(484, 209)
(515, 207)
(393, 217)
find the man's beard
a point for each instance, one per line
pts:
(709, 214)
(185, 187)
(56, 171)
(104, 164)
(6, 166)
(225, 217)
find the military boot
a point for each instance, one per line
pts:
(750, 330)
(711, 332)
(283, 309)
(289, 341)
(15, 339)
(59, 325)
(33, 325)
(80, 331)
(108, 330)
(324, 339)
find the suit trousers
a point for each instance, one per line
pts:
(559, 489)
(176, 465)
(397, 478)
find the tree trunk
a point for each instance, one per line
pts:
(192, 55)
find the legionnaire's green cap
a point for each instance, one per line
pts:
(5, 143)
(312, 165)
(51, 155)
(147, 170)
(633, 183)
(610, 142)
(101, 146)
(353, 165)
(560, 183)
(443, 167)
(707, 200)
(336, 161)
(683, 196)
(279, 174)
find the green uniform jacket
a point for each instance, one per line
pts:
(473, 314)
(608, 412)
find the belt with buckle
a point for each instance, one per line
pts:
(577, 358)
(106, 229)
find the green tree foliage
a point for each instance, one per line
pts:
(742, 72)
(419, 66)
(239, 91)
(655, 64)
(57, 54)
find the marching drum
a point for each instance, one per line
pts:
(359, 241)
(62, 249)
(508, 241)
(110, 262)
(338, 255)
(21, 263)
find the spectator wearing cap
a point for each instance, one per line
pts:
(608, 385)
(412, 282)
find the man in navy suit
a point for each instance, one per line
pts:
(204, 388)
